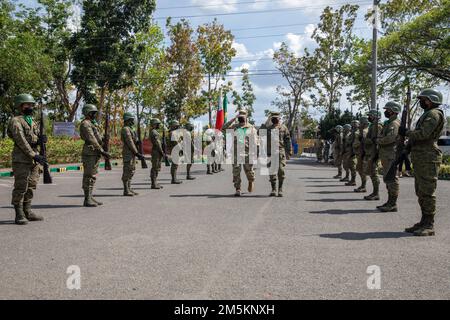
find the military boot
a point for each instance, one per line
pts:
(338, 176)
(417, 226)
(352, 182)
(375, 194)
(20, 216)
(346, 178)
(220, 168)
(280, 188)
(131, 190)
(251, 186)
(174, 177)
(427, 228)
(153, 177)
(391, 205)
(98, 203)
(126, 190)
(30, 215)
(188, 175)
(274, 188)
(214, 168)
(88, 201)
(237, 193)
(208, 169)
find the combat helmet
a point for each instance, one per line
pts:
(393, 106)
(374, 113)
(23, 98)
(88, 108)
(432, 94)
(155, 122)
(189, 126)
(339, 128)
(173, 123)
(127, 116)
(347, 127)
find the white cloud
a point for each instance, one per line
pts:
(216, 5)
(241, 50)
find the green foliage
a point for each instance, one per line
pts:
(246, 101)
(334, 36)
(444, 172)
(332, 119)
(183, 60)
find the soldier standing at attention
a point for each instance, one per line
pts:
(284, 147)
(157, 152)
(387, 141)
(92, 151)
(358, 149)
(337, 151)
(371, 154)
(354, 135)
(129, 153)
(346, 151)
(174, 140)
(190, 127)
(244, 131)
(426, 158)
(319, 148)
(25, 158)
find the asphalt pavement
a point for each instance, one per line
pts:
(197, 241)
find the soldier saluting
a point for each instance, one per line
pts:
(91, 154)
(426, 158)
(129, 153)
(25, 158)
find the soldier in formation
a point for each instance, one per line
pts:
(346, 151)
(426, 158)
(371, 159)
(319, 148)
(337, 150)
(91, 154)
(174, 140)
(243, 132)
(354, 136)
(26, 160)
(129, 153)
(157, 153)
(387, 142)
(190, 128)
(358, 149)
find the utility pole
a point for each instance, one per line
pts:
(373, 105)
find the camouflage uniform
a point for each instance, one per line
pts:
(387, 141)
(25, 134)
(244, 131)
(157, 154)
(347, 152)
(371, 161)
(358, 149)
(426, 158)
(173, 142)
(90, 156)
(337, 151)
(319, 150)
(129, 152)
(284, 147)
(189, 127)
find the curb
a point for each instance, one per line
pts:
(59, 169)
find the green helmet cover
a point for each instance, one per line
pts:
(433, 95)
(23, 98)
(88, 109)
(393, 106)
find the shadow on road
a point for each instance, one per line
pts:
(326, 186)
(338, 212)
(118, 189)
(334, 200)
(216, 196)
(95, 196)
(330, 192)
(7, 222)
(366, 235)
(316, 178)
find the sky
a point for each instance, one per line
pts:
(259, 27)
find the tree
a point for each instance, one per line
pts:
(246, 101)
(216, 50)
(298, 72)
(332, 119)
(185, 70)
(25, 65)
(334, 37)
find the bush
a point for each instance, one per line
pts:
(446, 160)
(60, 150)
(444, 173)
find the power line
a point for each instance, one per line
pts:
(278, 35)
(218, 5)
(255, 11)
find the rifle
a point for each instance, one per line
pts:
(108, 166)
(139, 145)
(43, 149)
(392, 172)
(164, 145)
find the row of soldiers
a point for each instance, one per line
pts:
(27, 161)
(359, 147)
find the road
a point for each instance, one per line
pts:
(196, 241)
